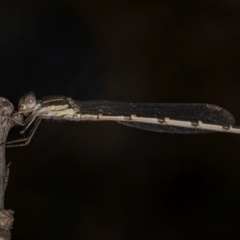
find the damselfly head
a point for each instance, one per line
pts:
(27, 102)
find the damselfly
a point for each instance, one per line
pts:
(157, 117)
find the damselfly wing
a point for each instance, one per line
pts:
(189, 112)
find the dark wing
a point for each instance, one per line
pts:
(206, 113)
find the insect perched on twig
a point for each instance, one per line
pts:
(157, 117)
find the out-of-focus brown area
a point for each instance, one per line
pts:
(95, 181)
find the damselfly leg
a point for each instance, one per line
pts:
(29, 122)
(21, 122)
(26, 140)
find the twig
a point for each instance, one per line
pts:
(6, 216)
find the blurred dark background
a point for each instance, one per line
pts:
(103, 181)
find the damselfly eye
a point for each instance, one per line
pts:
(30, 101)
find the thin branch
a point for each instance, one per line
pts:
(6, 216)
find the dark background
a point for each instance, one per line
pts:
(103, 181)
